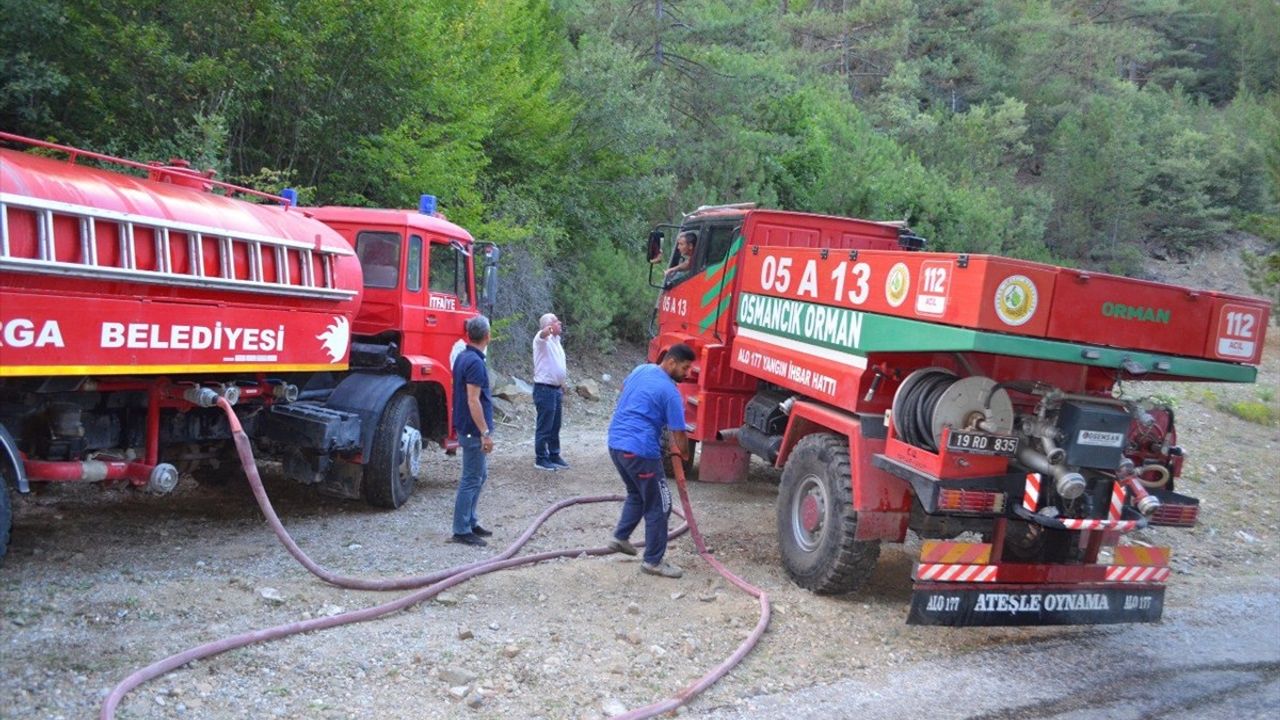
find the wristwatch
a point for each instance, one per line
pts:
(486, 433)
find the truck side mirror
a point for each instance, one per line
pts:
(491, 254)
(654, 250)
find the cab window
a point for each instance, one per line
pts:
(413, 267)
(379, 254)
(716, 241)
(448, 272)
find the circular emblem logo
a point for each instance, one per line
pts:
(1016, 300)
(897, 284)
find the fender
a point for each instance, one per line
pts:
(365, 395)
(883, 502)
(11, 462)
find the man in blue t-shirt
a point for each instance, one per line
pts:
(649, 402)
(473, 421)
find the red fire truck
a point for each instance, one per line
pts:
(129, 304)
(982, 402)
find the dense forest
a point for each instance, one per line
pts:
(1087, 132)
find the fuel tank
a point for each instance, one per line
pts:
(105, 273)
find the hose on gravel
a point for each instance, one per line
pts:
(428, 586)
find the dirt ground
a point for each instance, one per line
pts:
(100, 582)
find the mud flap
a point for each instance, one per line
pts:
(960, 605)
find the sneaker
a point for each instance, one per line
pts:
(623, 546)
(477, 530)
(546, 465)
(663, 569)
(559, 462)
(470, 539)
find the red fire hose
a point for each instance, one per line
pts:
(428, 586)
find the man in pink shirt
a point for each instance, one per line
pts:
(549, 377)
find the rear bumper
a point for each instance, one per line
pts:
(987, 605)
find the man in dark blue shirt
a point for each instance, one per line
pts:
(649, 402)
(473, 421)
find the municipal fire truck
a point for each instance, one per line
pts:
(129, 304)
(982, 402)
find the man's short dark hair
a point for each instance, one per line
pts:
(477, 328)
(690, 236)
(681, 353)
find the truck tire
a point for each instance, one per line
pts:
(392, 468)
(816, 520)
(667, 466)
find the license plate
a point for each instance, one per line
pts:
(1012, 606)
(979, 443)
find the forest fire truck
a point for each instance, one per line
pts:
(129, 305)
(952, 395)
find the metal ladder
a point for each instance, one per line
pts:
(45, 261)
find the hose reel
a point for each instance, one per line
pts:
(933, 398)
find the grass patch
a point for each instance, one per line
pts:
(1253, 411)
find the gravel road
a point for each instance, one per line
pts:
(102, 581)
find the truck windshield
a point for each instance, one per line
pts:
(379, 254)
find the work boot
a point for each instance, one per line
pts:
(663, 569)
(623, 546)
(470, 539)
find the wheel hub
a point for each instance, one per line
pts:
(809, 513)
(411, 451)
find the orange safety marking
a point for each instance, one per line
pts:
(942, 551)
(1139, 555)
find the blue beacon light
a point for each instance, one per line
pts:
(427, 204)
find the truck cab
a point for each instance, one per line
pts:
(420, 288)
(697, 307)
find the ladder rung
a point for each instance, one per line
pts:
(128, 251)
(45, 234)
(4, 230)
(225, 260)
(195, 253)
(308, 271)
(164, 262)
(255, 261)
(282, 265)
(88, 241)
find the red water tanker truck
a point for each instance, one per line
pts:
(130, 303)
(985, 403)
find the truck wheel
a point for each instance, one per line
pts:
(396, 460)
(816, 520)
(667, 466)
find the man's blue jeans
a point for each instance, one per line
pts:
(475, 470)
(648, 498)
(546, 435)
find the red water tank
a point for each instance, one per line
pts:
(107, 273)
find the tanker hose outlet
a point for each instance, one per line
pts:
(1146, 502)
(286, 391)
(231, 393)
(1056, 456)
(200, 396)
(1070, 485)
(163, 479)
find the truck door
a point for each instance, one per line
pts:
(450, 301)
(697, 302)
